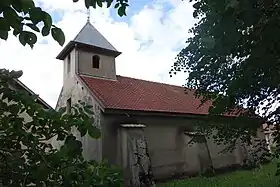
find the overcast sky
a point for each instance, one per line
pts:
(149, 38)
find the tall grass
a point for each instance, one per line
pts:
(263, 177)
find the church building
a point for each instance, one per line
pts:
(146, 126)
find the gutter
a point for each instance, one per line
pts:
(112, 111)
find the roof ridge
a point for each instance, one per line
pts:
(89, 27)
(79, 32)
(156, 82)
(102, 35)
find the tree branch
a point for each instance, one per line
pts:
(25, 178)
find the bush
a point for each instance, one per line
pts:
(27, 158)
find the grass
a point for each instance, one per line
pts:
(263, 177)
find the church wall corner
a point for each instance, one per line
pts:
(78, 92)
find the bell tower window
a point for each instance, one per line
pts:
(95, 61)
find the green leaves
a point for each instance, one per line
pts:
(117, 5)
(45, 31)
(27, 4)
(36, 15)
(22, 39)
(94, 132)
(26, 37)
(4, 24)
(197, 5)
(88, 3)
(47, 19)
(208, 42)
(58, 35)
(3, 34)
(72, 146)
(33, 27)
(233, 62)
(99, 2)
(11, 16)
(121, 11)
(120, 5)
(37, 161)
(109, 3)
(17, 13)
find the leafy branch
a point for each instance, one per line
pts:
(23, 18)
(26, 153)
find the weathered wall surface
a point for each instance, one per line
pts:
(190, 154)
(223, 160)
(135, 159)
(109, 138)
(81, 62)
(76, 91)
(106, 69)
(258, 141)
(69, 77)
(169, 147)
(165, 144)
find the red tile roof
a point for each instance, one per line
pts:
(135, 94)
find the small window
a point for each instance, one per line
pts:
(95, 61)
(68, 63)
(68, 105)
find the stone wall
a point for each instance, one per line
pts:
(169, 148)
(134, 154)
(77, 91)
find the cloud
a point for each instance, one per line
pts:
(149, 39)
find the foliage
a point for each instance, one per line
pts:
(24, 18)
(233, 58)
(257, 154)
(262, 177)
(26, 132)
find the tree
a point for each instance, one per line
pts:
(23, 17)
(233, 57)
(27, 157)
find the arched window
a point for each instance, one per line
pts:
(95, 61)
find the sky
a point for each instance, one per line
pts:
(149, 37)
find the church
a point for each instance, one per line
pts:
(146, 126)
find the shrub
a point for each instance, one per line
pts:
(27, 157)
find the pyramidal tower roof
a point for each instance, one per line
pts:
(90, 37)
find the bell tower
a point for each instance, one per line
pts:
(89, 53)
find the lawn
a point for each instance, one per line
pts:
(264, 177)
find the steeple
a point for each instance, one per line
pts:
(88, 15)
(89, 37)
(89, 53)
